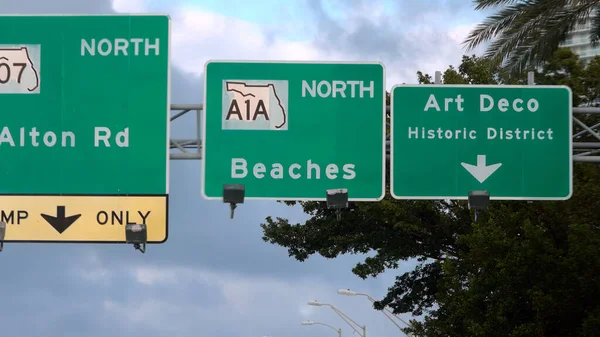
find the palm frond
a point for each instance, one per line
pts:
(543, 44)
(493, 25)
(483, 4)
(528, 32)
(595, 26)
(520, 37)
(511, 17)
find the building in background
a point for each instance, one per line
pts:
(578, 41)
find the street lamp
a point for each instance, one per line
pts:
(345, 317)
(347, 292)
(339, 331)
(387, 312)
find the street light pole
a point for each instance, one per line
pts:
(339, 331)
(387, 312)
(345, 317)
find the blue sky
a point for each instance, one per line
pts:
(215, 276)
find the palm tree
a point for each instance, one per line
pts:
(525, 33)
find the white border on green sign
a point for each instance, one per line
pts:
(383, 148)
(168, 110)
(492, 197)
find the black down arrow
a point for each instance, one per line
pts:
(60, 222)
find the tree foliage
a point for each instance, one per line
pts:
(524, 34)
(525, 269)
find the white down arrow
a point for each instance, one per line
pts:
(481, 171)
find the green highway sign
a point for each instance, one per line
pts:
(293, 130)
(85, 109)
(513, 141)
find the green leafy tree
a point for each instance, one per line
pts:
(524, 34)
(476, 70)
(591, 82)
(526, 269)
(565, 68)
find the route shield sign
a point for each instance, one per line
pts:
(293, 130)
(513, 141)
(84, 129)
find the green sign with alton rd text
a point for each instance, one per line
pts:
(292, 130)
(84, 104)
(84, 101)
(513, 141)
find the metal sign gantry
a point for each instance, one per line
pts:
(191, 148)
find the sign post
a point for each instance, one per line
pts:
(84, 130)
(513, 141)
(292, 130)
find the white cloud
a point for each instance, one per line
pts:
(250, 301)
(151, 276)
(172, 299)
(179, 299)
(92, 269)
(129, 6)
(460, 33)
(239, 290)
(373, 12)
(198, 36)
(150, 313)
(306, 311)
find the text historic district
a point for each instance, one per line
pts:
(490, 133)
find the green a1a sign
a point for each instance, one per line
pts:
(513, 141)
(293, 130)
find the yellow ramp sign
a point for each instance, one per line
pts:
(94, 219)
